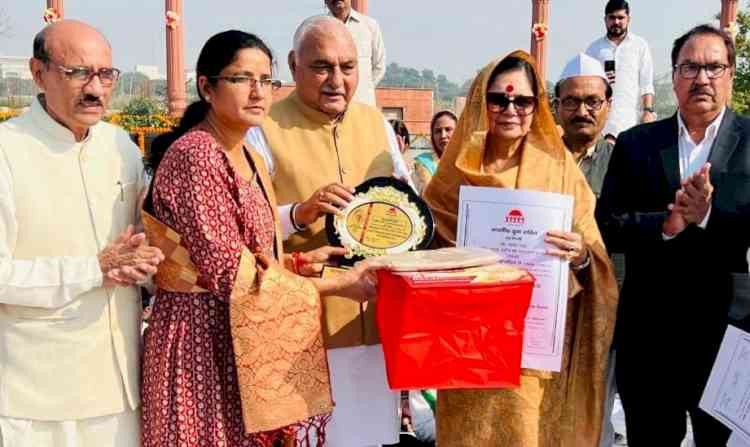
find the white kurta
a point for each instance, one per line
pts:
(634, 78)
(371, 55)
(69, 348)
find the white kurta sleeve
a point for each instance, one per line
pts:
(400, 170)
(48, 282)
(378, 55)
(257, 141)
(646, 73)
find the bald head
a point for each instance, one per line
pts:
(324, 64)
(60, 36)
(72, 66)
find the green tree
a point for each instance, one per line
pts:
(741, 98)
(143, 106)
(445, 90)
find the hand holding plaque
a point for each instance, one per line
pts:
(326, 200)
(384, 217)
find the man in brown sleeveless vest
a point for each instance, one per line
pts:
(318, 143)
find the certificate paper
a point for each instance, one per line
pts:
(736, 441)
(727, 393)
(513, 223)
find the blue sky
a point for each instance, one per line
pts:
(450, 37)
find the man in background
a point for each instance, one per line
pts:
(370, 47)
(627, 61)
(583, 98)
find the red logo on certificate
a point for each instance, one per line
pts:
(514, 217)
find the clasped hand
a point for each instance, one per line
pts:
(128, 260)
(692, 202)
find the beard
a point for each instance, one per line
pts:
(615, 31)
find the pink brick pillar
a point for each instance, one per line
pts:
(175, 57)
(360, 6)
(728, 13)
(57, 6)
(540, 19)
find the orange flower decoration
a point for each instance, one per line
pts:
(540, 31)
(172, 19)
(51, 15)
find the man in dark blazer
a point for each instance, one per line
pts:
(676, 201)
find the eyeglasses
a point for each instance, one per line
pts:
(83, 75)
(247, 81)
(499, 102)
(691, 71)
(571, 104)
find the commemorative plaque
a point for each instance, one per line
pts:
(385, 217)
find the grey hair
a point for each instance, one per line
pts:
(312, 23)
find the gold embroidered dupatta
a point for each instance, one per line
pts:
(549, 409)
(275, 319)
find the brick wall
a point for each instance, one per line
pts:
(416, 104)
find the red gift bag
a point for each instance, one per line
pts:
(452, 333)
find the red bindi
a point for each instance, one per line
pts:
(509, 88)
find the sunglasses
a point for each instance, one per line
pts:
(499, 102)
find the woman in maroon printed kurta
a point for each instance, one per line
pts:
(207, 189)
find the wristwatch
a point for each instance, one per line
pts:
(649, 109)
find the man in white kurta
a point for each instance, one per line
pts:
(69, 311)
(370, 47)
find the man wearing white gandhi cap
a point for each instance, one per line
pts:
(583, 98)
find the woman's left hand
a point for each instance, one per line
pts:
(567, 245)
(313, 261)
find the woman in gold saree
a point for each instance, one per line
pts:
(507, 138)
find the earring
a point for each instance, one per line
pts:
(208, 99)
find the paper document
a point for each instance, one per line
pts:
(736, 441)
(513, 223)
(727, 393)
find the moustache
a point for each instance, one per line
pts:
(89, 98)
(582, 121)
(700, 90)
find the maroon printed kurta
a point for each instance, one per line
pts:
(190, 392)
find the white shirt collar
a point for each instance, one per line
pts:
(711, 130)
(613, 43)
(56, 130)
(354, 16)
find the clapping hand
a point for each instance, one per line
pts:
(694, 199)
(692, 202)
(128, 260)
